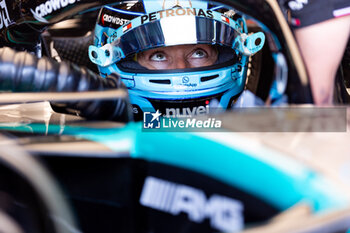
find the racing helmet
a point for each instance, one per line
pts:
(127, 28)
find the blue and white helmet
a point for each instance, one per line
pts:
(127, 28)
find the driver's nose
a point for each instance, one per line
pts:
(181, 63)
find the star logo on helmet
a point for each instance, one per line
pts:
(176, 4)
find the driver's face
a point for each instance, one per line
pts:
(178, 57)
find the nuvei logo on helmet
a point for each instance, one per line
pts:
(180, 112)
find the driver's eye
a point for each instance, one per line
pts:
(158, 56)
(199, 53)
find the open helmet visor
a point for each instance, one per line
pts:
(171, 27)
